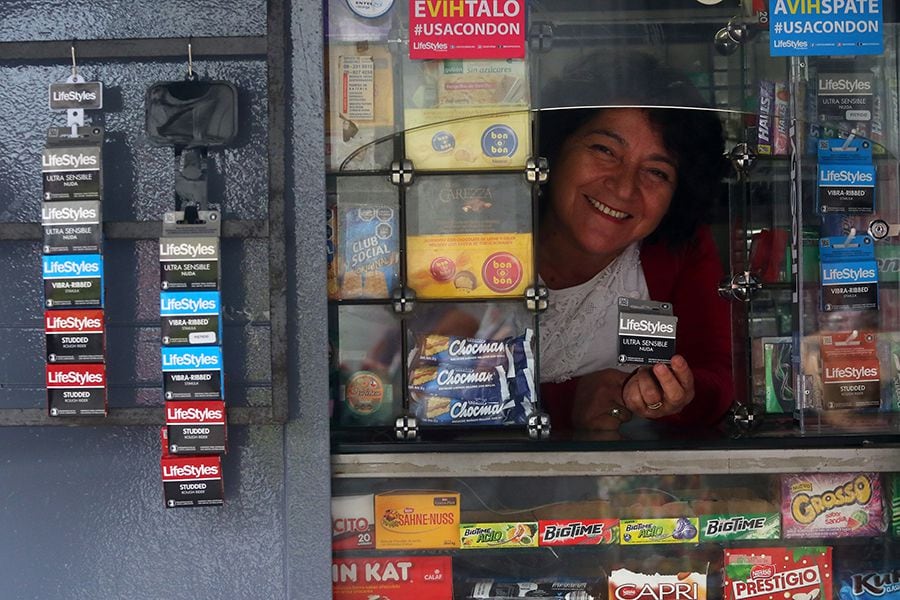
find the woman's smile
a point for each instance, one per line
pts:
(608, 211)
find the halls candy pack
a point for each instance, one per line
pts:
(802, 573)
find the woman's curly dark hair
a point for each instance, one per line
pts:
(692, 133)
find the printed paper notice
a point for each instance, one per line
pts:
(826, 27)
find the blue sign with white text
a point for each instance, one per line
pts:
(826, 27)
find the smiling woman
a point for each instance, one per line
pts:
(632, 181)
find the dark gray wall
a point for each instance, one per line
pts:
(81, 511)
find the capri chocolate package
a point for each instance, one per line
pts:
(628, 585)
(822, 505)
(802, 573)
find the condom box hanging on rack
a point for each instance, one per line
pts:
(196, 427)
(74, 336)
(76, 390)
(72, 167)
(73, 281)
(192, 481)
(646, 331)
(846, 176)
(849, 273)
(192, 373)
(189, 252)
(190, 318)
(72, 227)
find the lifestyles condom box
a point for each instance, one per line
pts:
(76, 390)
(196, 427)
(74, 336)
(192, 481)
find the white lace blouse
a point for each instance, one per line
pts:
(578, 330)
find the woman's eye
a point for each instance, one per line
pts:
(601, 148)
(659, 174)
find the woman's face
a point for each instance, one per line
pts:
(612, 183)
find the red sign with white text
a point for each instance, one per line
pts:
(453, 29)
(394, 577)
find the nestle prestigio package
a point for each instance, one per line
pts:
(469, 237)
(196, 427)
(467, 114)
(192, 481)
(802, 573)
(627, 585)
(353, 522)
(74, 336)
(822, 505)
(76, 390)
(417, 520)
(393, 578)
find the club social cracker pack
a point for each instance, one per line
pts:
(832, 505)
(801, 573)
(628, 585)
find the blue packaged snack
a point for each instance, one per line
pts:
(463, 352)
(881, 582)
(441, 410)
(459, 383)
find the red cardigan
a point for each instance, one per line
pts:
(688, 278)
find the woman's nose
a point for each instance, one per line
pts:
(622, 183)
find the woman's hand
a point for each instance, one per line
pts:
(661, 390)
(598, 402)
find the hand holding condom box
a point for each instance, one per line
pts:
(646, 331)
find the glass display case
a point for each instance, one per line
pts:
(456, 432)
